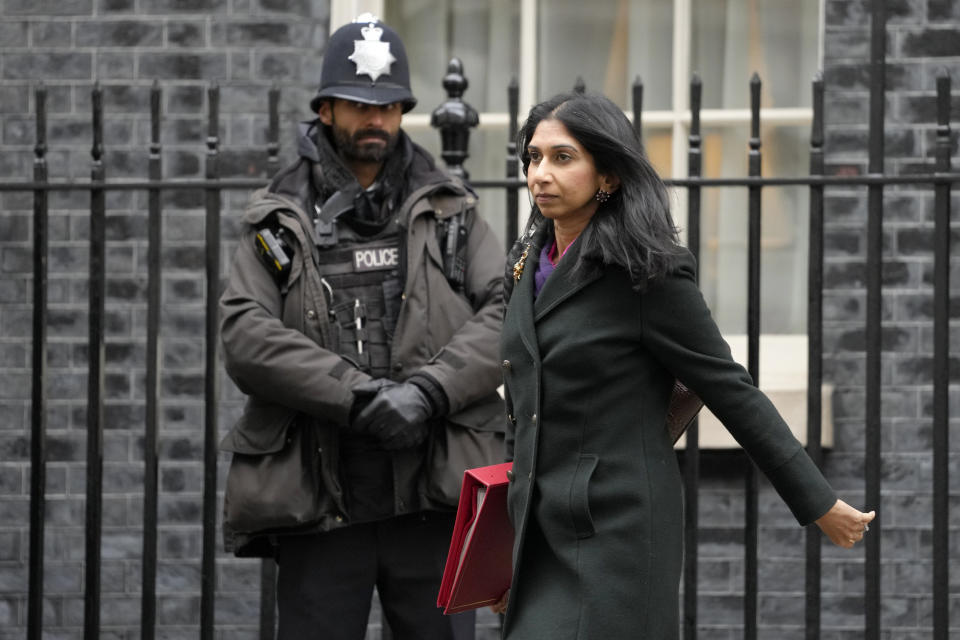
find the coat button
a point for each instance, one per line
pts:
(398, 366)
(511, 418)
(311, 314)
(533, 418)
(339, 518)
(510, 475)
(506, 365)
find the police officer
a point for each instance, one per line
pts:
(361, 318)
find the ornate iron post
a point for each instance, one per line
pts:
(454, 118)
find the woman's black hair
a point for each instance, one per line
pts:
(633, 229)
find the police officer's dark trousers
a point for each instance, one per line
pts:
(325, 581)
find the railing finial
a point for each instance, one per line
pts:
(454, 118)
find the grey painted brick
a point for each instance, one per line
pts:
(243, 163)
(842, 611)
(943, 10)
(848, 109)
(51, 34)
(240, 575)
(298, 7)
(13, 99)
(12, 291)
(920, 306)
(177, 543)
(115, 66)
(182, 354)
(61, 131)
(14, 33)
(238, 608)
(13, 415)
(189, 131)
(240, 65)
(13, 578)
(182, 199)
(186, 34)
(914, 109)
(178, 609)
(181, 164)
(62, 66)
(14, 385)
(56, 476)
(180, 509)
(122, 33)
(897, 142)
(178, 577)
(11, 483)
(844, 241)
(65, 447)
(126, 226)
(185, 99)
(840, 44)
(185, 6)
(125, 99)
(180, 226)
(180, 479)
(61, 512)
(63, 578)
(776, 611)
(115, 6)
(179, 66)
(49, 7)
(182, 448)
(278, 67)
(856, 76)
(67, 322)
(933, 41)
(126, 354)
(184, 258)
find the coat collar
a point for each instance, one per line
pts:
(563, 283)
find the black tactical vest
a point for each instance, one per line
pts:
(361, 275)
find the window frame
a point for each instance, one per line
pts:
(792, 348)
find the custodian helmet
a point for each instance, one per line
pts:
(365, 62)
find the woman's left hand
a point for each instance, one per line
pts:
(844, 525)
(501, 605)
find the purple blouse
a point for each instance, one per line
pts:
(547, 265)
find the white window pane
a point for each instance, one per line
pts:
(607, 43)
(784, 232)
(484, 34)
(778, 39)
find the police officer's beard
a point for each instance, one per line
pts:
(351, 149)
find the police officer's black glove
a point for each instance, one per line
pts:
(363, 393)
(397, 416)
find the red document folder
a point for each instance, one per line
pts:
(479, 565)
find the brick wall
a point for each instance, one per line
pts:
(244, 46)
(923, 37)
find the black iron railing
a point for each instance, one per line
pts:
(455, 118)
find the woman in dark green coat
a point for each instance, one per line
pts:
(604, 315)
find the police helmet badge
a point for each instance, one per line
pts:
(371, 55)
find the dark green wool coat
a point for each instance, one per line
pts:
(596, 499)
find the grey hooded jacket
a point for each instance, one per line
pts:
(275, 348)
